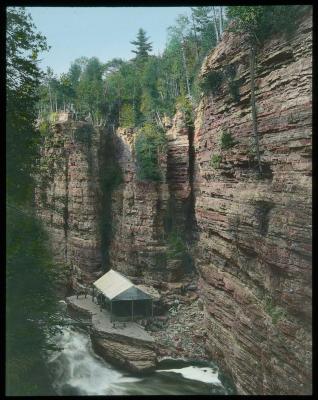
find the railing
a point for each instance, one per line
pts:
(114, 317)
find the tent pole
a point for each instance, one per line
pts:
(132, 310)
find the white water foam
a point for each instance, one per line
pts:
(76, 367)
(204, 374)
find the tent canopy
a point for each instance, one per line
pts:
(116, 287)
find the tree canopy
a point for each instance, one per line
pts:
(30, 299)
(142, 44)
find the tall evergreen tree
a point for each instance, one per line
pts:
(143, 46)
(30, 301)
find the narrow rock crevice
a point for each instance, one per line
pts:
(65, 208)
(191, 223)
(110, 177)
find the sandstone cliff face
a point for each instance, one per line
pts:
(253, 234)
(67, 198)
(254, 249)
(143, 213)
(137, 248)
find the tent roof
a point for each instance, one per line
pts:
(114, 285)
(132, 293)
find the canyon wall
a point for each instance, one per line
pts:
(143, 211)
(254, 249)
(249, 234)
(67, 198)
(100, 215)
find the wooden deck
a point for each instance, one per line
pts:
(101, 320)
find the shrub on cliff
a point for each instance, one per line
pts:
(84, 134)
(215, 161)
(149, 145)
(184, 105)
(127, 116)
(211, 82)
(226, 140)
(176, 245)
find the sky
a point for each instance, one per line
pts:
(103, 32)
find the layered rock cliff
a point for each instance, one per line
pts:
(67, 197)
(145, 213)
(254, 247)
(247, 236)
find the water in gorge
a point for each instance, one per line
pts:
(76, 370)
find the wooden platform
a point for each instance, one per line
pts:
(101, 320)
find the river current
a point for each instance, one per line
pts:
(76, 370)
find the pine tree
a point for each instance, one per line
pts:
(143, 47)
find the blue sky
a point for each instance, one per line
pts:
(104, 32)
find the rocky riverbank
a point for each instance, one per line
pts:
(127, 345)
(180, 333)
(137, 346)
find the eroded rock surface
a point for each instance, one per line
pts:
(253, 233)
(141, 210)
(254, 247)
(67, 198)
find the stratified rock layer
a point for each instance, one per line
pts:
(141, 210)
(137, 248)
(254, 248)
(68, 202)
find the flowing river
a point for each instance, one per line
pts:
(76, 370)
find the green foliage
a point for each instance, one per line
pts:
(275, 312)
(22, 80)
(232, 83)
(138, 91)
(260, 22)
(143, 47)
(226, 140)
(184, 105)
(30, 299)
(176, 245)
(251, 153)
(44, 127)
(150, 143)
(204, 29)
(84, 134)
(215, 161)
(110, 177)
(127, 116)
(211, 82)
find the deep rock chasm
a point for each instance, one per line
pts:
(247, 238)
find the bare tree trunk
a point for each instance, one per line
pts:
(185, 69)
(51, 103)
(134, 92)
(215, 25)
(159, 119)
(222, 18)
(196, 38)
(220, 21)
(253, 104)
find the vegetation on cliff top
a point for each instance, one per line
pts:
(144, 88)
(150, 146)
(30, 301)
(137, 92)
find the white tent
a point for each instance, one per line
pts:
(117, 289)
